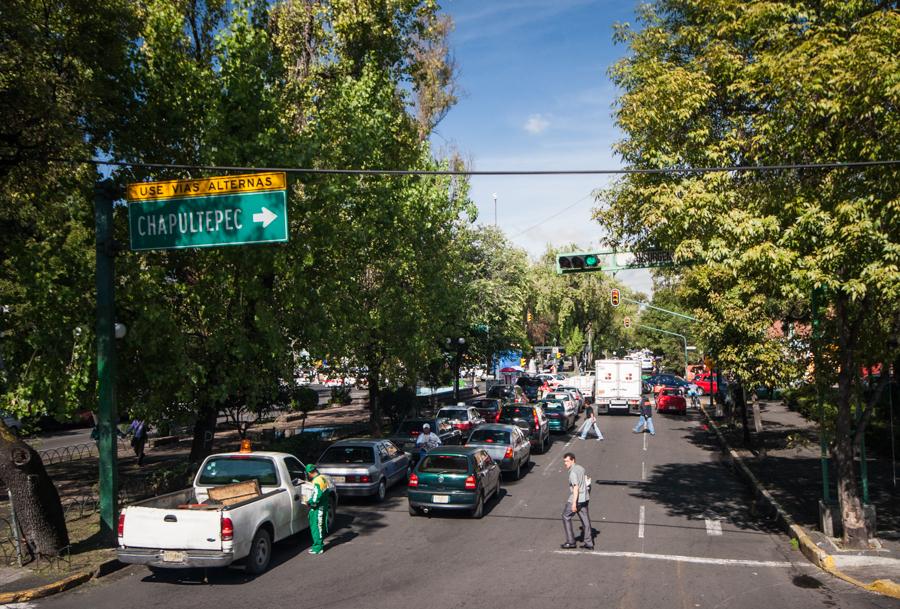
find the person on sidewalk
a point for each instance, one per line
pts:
(577, 503)
(646, 419)
(590, 423)
(138, 432)
(318, 509)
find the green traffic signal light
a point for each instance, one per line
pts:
(590, 260)
(577, 263)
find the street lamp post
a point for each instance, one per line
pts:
(458, 345)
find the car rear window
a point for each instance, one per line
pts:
(499, 391)
(348, 454)
(554, 407)
(517, 411)
(444, 463)
(408, 427)
(459, 415)
(497, 436)
(227, 470)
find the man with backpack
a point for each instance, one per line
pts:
(577, 503)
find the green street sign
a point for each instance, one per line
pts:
(208, 221)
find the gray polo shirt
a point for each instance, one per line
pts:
(576, 478)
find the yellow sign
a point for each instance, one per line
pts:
(222, 185)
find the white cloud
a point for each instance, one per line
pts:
(536, 124)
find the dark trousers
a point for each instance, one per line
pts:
(585, 516)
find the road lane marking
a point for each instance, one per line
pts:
(645, 441)
(643, 471)
(732, 562)
(641, 524)
(713, 527)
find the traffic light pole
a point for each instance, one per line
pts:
(655, 308)
(106, 359)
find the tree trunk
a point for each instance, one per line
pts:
(757, 415)
(852, 516)
(374, 402)
(204, 433)
(38, 508)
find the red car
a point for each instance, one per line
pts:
(669, 400)
(703, 381)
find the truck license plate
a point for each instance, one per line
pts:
(170, 556)
(338, 479)
(440, 498)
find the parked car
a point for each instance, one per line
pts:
(530, 385)
(404, 437)
(530, 418)
(13, 423)
(188, 529)
(671, 400)
(364, 467)
(560, 418)
(704, 380)
(462, 417)
(506, 444)
(508, 394)
(488, 408)
(454, 478)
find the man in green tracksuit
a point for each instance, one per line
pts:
(318, 509)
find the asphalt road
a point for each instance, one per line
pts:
(673, 530)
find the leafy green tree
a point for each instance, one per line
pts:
(754, 83)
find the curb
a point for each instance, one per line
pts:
(67, 583)
(810, 550)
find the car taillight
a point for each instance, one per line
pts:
(508, 453)
(413, 481)
(470, 483)
(227, 530)
(537, 424)
(121, 524)
(497, 418)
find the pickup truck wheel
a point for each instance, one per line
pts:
(381, 493)
(260, 552)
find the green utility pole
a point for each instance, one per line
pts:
(815, 305)
(104, 193)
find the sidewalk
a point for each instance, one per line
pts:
(785, 461)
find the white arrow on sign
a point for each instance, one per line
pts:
(265, 216)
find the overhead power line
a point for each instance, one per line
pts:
(471, 172)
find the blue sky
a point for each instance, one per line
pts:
(536, 95)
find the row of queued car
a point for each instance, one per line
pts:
(480, 440)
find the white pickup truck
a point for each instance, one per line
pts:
(186, 529)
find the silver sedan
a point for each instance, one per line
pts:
(506, 444)
(364, 467)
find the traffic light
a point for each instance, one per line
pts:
(578, 263)
(627, 322)
(614, 297)
(522, 362)
(528, 316)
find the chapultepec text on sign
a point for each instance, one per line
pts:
(209, 212)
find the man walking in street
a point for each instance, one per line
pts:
(590, 423)
(318, 509)
(577, 503)
(646, 419)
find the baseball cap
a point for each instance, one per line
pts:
(310, 468)
(426, 426)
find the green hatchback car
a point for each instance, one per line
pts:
(560, 420)
(453, 478)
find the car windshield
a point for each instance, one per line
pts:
(227, 470)
(459, 415)
(516, 412)
(444, 463)
(348, 454)
(490, 436)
